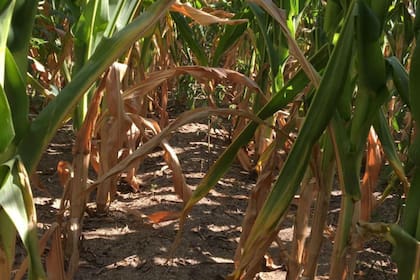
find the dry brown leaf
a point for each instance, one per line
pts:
(201, 73)
(301, 227)
(113, 133)
(55, 258)
(181, 188)
(371, 176)
(148, 147)
(204, 18)
(163, 216)
(218, 13)
(256, 199)
(280, 17)
(244, 160)
(65, 172)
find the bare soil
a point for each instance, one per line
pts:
(126, 245)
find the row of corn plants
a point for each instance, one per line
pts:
(350, 91)
(320, 101)
(23, 140)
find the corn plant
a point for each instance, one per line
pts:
(349, 90)
(347, 102)
(19, 137)
(336, 100)
(370, 93)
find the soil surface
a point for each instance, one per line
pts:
(126, 245)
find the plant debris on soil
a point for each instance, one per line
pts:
(126, 244)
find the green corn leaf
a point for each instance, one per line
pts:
(370, 59)
(412, 209)
(146, 57)
(345, 106)
(277, 102)
(400, 78)
(16, 200)
(406, 252)
(89, 31)
(108, 50)
(99, 19)
(15, 87)
(380, 9)
(293, 10)
(7, 131)
(388, 146)
(187, 34)
(229, 38)
(21, 31)
(348, 159)
(6, 12)
(295, 166)
(372, 90)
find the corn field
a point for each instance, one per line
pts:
(320, 98)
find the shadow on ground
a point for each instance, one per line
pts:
(126, 245)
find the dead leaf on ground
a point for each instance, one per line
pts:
(163, 216)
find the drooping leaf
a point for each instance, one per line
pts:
(163, 216)
(108, 50)
(16, 200)
(154, 142)
(199, 72)
(7, 237)
(388, 146)
(295, 166)
(276, 103)
(188, 35)
(202, 17)
(55, 258)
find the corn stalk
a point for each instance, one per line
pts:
(21, 144)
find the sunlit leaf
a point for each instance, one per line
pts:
(109, 49)
(183, 119)
(199, 72)
(201, 16)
